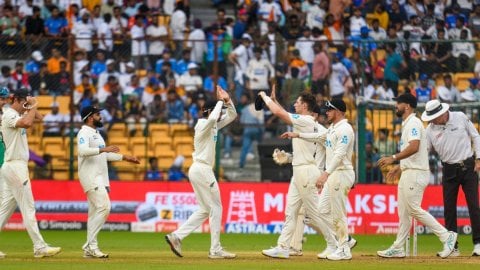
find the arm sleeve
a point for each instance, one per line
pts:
(114, 157)
(414, 134)
(429, 140)
(340, 151)
(231, 115)
(84, 149)
(472, 131)
(213, 117)
(11, 120)
(314, 137)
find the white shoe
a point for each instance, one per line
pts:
(250, 157)
(392, 253)
(2, 255)
(455, 253)
(46, 251)
(175, 244)
(326, 252)
(352, 242)
(476, 250)
(340, 254)
(221, 254)
(93, 253)
(276, 252)
(295, 252)
(448, 245)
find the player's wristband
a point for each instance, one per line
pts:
(394, 157)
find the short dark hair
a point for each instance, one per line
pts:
(309, 99)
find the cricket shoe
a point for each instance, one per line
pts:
(295, 252)
(46, 251)
(2, 255)
(351, 242)
(392, 253)
(94, 253)
(340, 254)
(326, 252)
(276, 252)
(476, 250)
(175, 244)
(221, 254)
(448, 245)
(455, 253)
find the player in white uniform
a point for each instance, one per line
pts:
(93, 155)
(339, 142)
(203, 180)
(414, 175)
(17, 189)
(4, 100)
(302, 189)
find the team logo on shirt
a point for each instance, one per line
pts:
(295, 116)
(81, 141)
(344, 139)
(414, 132)
(328, 143)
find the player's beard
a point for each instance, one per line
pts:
(399, 112)
(97, 123)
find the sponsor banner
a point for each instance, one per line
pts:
(247, 207)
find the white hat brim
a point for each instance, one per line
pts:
(428, 118)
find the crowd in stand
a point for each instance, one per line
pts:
(153, 61)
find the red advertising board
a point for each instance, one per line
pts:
(247, 207)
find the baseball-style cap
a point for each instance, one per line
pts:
(89, 110)
(336, 104)
(408, 99)
(21, 93)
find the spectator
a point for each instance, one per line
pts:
(25, 10)
(239, 57)
(108, 6)
(111, 71)
(44, 171)
(443, 54)
(119, 27)
(455, 33)
(216, 35)
(316, 15)
(182, 65)
(156, 110)
(305, 45)
(393, 66)
(97, 18)
(175, 108)
(191, 81)
(168, 78)
(414, 9)
(157, 35)
(133, 87)
(334, 30)
(338, 78)
(464, 53)
(125, 78)
(55, 27)
(152, 89)
(139, 43)
(107, 90)
(53, 122)
(298, 62)
(474, 22)
(209, 84)
(381, 15)
(292, 29)
(367, 44)
(269, 11)
(178, 27)
(34, 29)
(424, 92)
(384, 92)
(240, 26)
(60, 83)
(429, 19)
(98, 66)
(384, 145)
(252, 121)
(80, 66)
(357, 21)
(33, 65)
(53, 63)
(175, 172)
(6, 79)
(9, 22)
(425, 59)
(20, 77)
(276, 45)
(434, 29)
(373, 173)
(113, 103)
(153, 173)
(196, 41)
(396, 14)
(259, 72)
(166, 58)
(377, 33)
(134, 114)
(105, 34)
(320, 67)
(42, 78)
(448, 92)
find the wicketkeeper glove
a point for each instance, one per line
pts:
(281, 157)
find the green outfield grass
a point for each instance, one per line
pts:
(138, 251)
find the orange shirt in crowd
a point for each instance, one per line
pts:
(53, 64)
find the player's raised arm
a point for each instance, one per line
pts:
(275, 108)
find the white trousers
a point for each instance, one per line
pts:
(17, 189)
(303, 191)
(98, 210)
(410, 194)
(207, 194)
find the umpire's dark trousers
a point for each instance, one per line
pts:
(454, 176)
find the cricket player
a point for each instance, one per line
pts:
(339, 143)
(17, 189)
(93, 156)
(203, 180)
(414, 175)
(4, 100)
(302, 189)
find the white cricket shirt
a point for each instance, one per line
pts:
(413, 130)
(303, 151)
(15, 139)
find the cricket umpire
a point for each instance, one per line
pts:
(451, 135)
